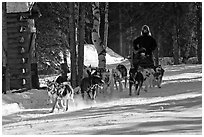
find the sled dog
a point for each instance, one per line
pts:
(123, 71)
(90, 84)
(148, 75)
(60, 94)
(158, 75)
(117, 77)
(135, 78)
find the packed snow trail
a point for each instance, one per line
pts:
(176, 108)
(157, 116)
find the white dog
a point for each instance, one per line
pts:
(148, 75)
(108, 79)
(117, 77)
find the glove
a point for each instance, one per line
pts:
(142, 54)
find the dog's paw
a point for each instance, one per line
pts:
(51, 111)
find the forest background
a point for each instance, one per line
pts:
(176, 26)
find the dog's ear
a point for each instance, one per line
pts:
(85, 66)
(94, 72)
(88, 72)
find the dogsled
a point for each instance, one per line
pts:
(143, 70)
(142, 60)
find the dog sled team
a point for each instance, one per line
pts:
(142, 74)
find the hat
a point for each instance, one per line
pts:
(145, 30)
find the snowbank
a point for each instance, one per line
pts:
(14, 102)
(10, 108)
(184, 76)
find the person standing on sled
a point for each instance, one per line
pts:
(143, 47)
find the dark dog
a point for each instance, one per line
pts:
(158, 75)
(93, 70)
(123, 71)
(60, 79)
(136, 78)
(90, 84)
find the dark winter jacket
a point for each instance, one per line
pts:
(147, 42)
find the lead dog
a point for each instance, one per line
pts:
(60, 94)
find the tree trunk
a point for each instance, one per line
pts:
(102, 20)
(157, 50)
(106, 25)
(131, 42)
(120, 32)
(176, 49)
(72, 44)
(101, 50)
(81, 40)
(77, 37)
(175, 46)
(187, 52)
(199, 31)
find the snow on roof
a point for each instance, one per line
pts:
(91, 56)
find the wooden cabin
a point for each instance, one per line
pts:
(19, 63)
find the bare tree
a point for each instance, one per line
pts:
(120, 31)
(72, 43)
(199, 31)
(157, 50)
(106, 25)
(176, 49)
(82, 7)
(101, 50)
